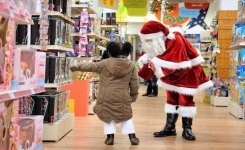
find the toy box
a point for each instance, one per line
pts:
(9, 124)
(240, 34)
(16, 70)
(30, 132)
(40, 68)
(27, 70)
(241, 57)
(234, 29)
(7, 29)
(240, 71)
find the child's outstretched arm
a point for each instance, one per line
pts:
(88, 67)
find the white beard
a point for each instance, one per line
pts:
(154, 48)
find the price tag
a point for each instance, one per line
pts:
(11, 13)
(26, 19)
(32, 91)
(11, 95)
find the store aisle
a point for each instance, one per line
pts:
(214, 128)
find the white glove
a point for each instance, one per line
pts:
(143, 60)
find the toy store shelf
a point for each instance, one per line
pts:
(76, 9)
(55, 85)
(55, 131)
(56, 14)
(238, 45)
(205, 41)
(101, 47)
(235, 110)
(108, 27)
(104, 38)
(13, 94)
(54, 48)
(7, 11)
(74, 34)
(219, 101)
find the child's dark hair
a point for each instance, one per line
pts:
(127, 48)
(105, 55)
(113, 49)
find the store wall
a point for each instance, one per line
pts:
(134, 28)
(228, 4)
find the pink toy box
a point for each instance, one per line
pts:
(40, 68)
(9, 130)
(30, 132)
(7, 27)
(25, 61)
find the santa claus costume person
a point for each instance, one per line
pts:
(176, 63)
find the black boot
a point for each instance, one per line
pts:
(187, 132)
(169, 128)
(133, 139)
(110, 139)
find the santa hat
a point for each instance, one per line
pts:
(155, 29)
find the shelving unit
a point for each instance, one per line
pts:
(108, 27)
(59, 15)
(234, 105)
(14, 94)
(55, 131)
(20, 16)
(57, 85)
(50, 48)
(76, 9)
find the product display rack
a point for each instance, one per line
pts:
(20, 17)
(50, 48)
(77, 8)
(55, 131)
(14, 94)
(235, 107)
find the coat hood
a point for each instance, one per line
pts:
(119, 66)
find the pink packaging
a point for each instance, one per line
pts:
(30, 132)
(40, 68)
(16, 70)
(7, 27)
(27, 74)
(9, 125)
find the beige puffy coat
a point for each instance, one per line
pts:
(118, 88)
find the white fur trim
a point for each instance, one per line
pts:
(176, 29)
(151, 36)
(205, 85)
(171, 36)
(142, 60)
(171, 65)
(187, 111)
(159, 73)
(196, 61)
(170, 109)
(181, 90)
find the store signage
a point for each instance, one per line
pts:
(139, 12)
(110, 4)
(191, 5)
(183, 12)
(135, 3)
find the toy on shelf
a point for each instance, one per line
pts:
(220, 88)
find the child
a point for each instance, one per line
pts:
(118, 89)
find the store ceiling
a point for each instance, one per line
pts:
(181, 1)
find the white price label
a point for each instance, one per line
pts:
(32, 91)
(26, 19)
(11, 13)
(11, 95)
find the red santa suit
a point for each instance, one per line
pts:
(179, 71)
